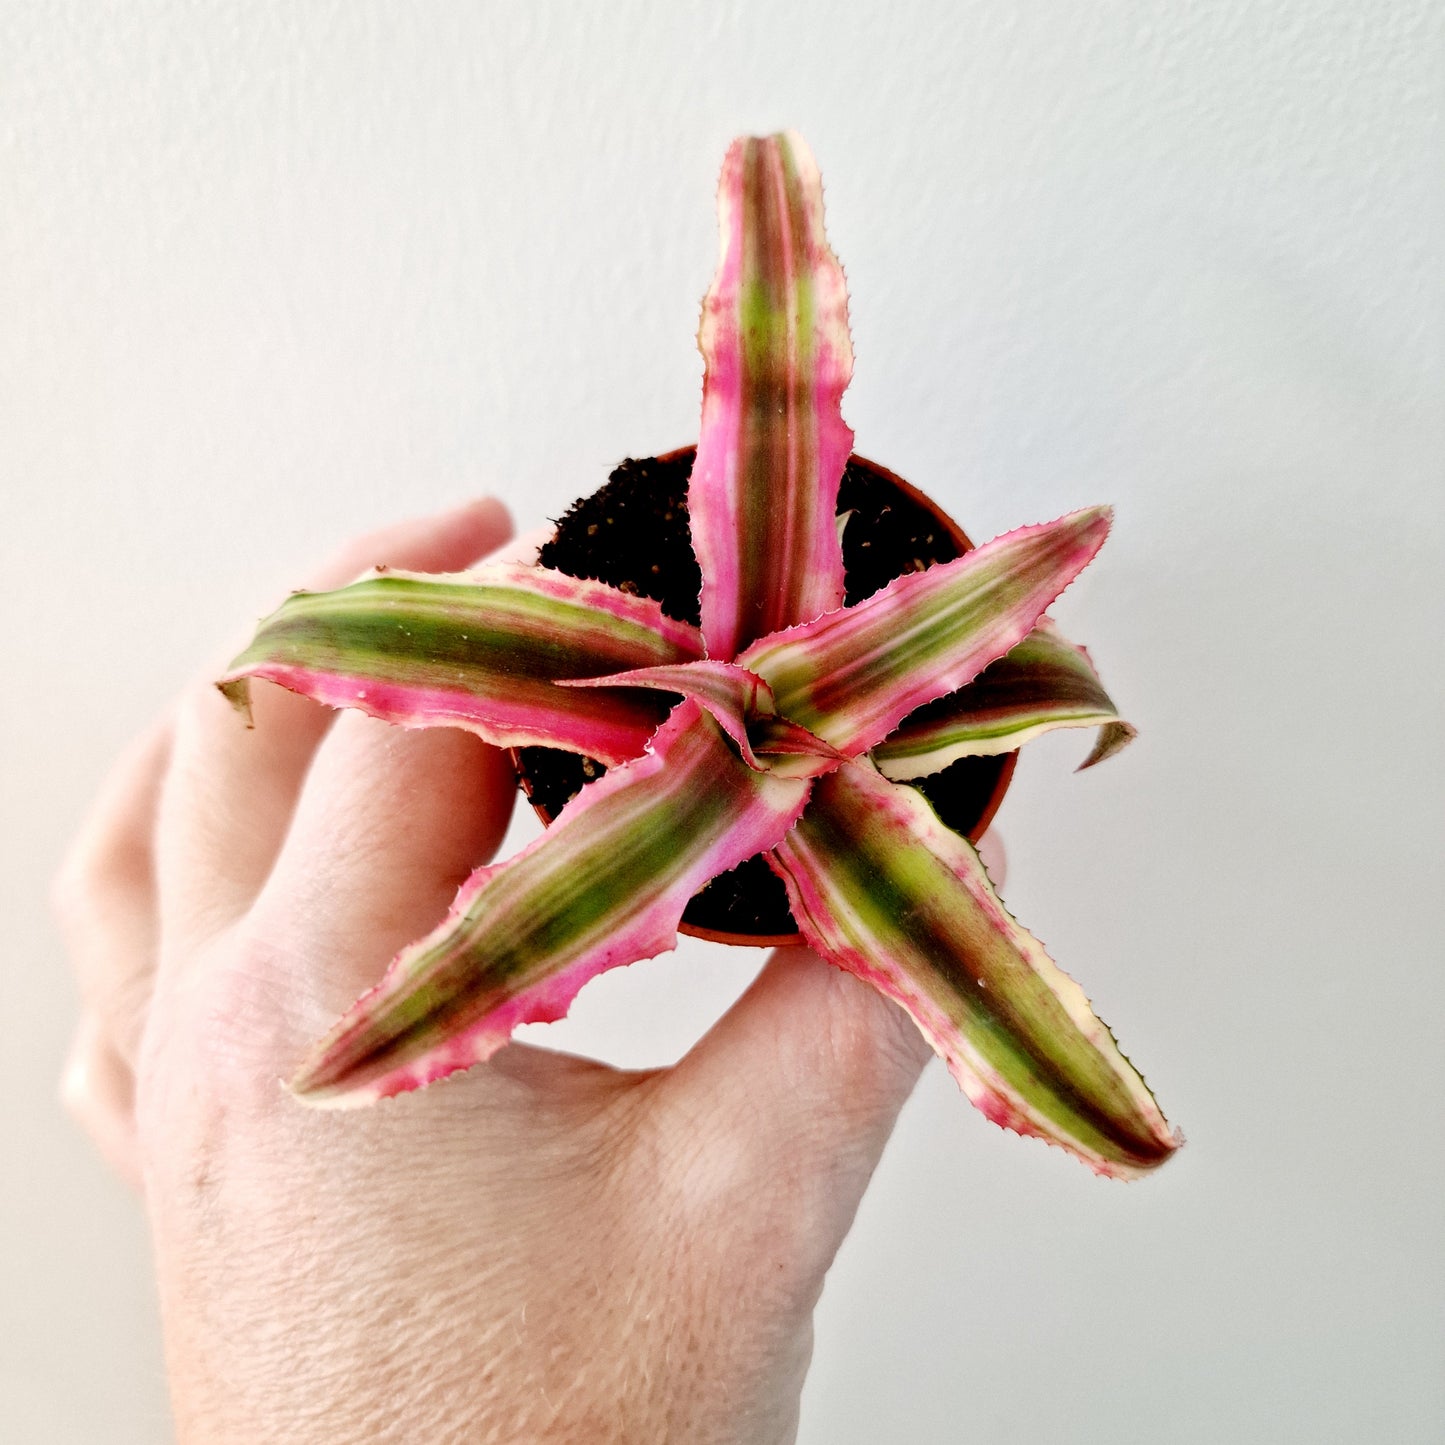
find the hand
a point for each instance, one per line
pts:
(541, 1249)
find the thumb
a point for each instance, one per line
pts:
(804, 1078)
(812, 1061)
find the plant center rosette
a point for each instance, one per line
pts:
(633, 533)
(789, 722)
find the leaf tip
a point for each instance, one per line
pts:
(325, 1101)
(325, 1083)
(309, 1087)
(1096, 521)
(1113, 737)
(237, 692)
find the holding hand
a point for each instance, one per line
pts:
(544, 1248)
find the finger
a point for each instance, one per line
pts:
(232, 789)
(97, 1088)
(793, 1094)
(994, 856)
(390, 824)
(523, 548)
(444, 542)
(806, 1075)
(813, 1065)
(104, 895)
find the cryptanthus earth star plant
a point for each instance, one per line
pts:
(786, 725)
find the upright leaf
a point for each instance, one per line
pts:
(605, 885)
(853, 675)
(773, 443)
(881, 888)
(1045, 682)
(480, 650)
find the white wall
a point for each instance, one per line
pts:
(271, 274)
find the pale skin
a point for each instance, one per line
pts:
(542, 1249)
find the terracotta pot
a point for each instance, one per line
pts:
(1005, 765)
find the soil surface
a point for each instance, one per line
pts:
(633, 533)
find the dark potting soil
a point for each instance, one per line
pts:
(633, 533)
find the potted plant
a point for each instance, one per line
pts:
(785, 719)
(634, 534)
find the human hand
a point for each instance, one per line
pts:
(542, 1249)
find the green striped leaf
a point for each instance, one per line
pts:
(480, 650)
(1045, 682)
(773, 443)
(605, 885)
(881, 888)
(853, 675)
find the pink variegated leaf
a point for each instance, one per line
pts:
(881, 888)
(479, 650)
(773, 443)
(1045, 682)
(734, 696)
(605, 885)
(853, 675)
(788, 748)
(742, 704)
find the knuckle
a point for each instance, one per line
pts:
(77, 908)
(64, 892)
(197, 706)
(230, 1021)
(74, 1091)
(74, 883)
(209, 1074)
(112, 853)
(94, 872)
(356, 556)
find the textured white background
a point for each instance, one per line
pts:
(274, 273)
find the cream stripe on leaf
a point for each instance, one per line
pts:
(772, 445)
(881, 888)
(605, 885)
(480, 650)
(853, 675)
